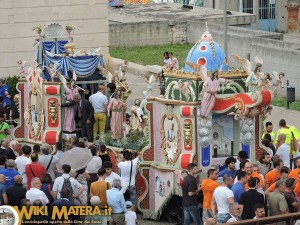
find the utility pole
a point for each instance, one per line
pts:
(225, 29)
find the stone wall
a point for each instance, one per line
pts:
(147, 33)
(19, 16)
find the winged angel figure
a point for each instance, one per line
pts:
(210, 88)
(22, 65)
(149, 80)
(257, 80)
(52, 70)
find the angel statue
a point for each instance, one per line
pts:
(105, 73)
(149, 80)
(22, 64)
(254, 78)
(52, 70)
(210, 87)
(121, 73)
(137, 116)
(183, 87)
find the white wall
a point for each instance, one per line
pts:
(17, 17)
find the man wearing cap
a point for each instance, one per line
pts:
(130, 215)
(4, 92)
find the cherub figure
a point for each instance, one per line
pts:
(22, 64)
(105, 73)
(254, 78)
(183, 87)
(149, 80)
(52, 70)
(121, 73)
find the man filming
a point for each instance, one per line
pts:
(128, 170)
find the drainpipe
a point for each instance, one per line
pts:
(225, 28)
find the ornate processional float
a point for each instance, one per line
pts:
(42, 87)
(208, 113)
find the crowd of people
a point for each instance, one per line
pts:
(244, 189)
(31, 176)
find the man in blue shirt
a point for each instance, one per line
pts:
(10, 172)
(115, 200)
(230, 168)
(238, 188)
(4, 92)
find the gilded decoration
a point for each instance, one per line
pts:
(170, 135)
(188, 133)
(53, 111)
(34, 113)
(231, 74)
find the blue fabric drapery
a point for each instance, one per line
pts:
(83, 66)
(59, 46)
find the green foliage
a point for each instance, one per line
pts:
(11, 82)
(281, 102)
(151, 55)
(136, 140)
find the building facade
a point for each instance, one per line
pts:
(271, 15)
(18, 17)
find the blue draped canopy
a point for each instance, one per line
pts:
(84, 66)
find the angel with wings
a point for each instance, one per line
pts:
(22, 64)
(105, 73)
(183, 87)
(210, 87)
(254, 78)
(52, 70)
(149, 80)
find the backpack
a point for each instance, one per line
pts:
(67, 187)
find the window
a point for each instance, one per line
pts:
(248, 6)
(267, 9)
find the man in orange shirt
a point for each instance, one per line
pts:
(284, 172)
(248, 168)
(208, 187)
(274, 174)
(98, 188)
(294, 173)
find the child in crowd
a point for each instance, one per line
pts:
(130, 215)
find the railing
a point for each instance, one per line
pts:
(290, 219)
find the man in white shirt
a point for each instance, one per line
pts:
(110, 175)
(283, 152)
(125, 168)
(58, 183)
(99, 102)
(93, 166)
(22, 161)
(221, 199)
(130, 215)
(34, 193)
(47, 160)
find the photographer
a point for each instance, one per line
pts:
(128, 170)
(4, 128)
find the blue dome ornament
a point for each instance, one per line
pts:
(207, 53)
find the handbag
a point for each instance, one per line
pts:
(127, 193)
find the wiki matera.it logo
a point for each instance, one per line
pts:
(8, 215)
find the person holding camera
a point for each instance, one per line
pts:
(4, 128)
(128, 170)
